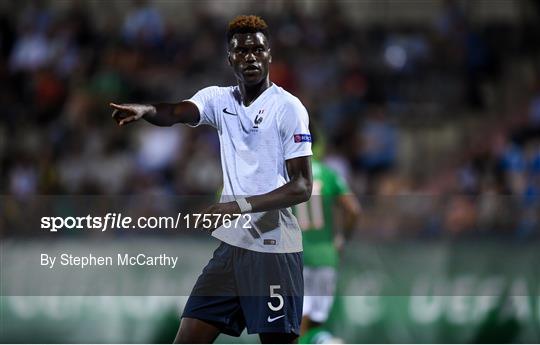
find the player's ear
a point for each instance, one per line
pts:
(269, 55)
(229, 58)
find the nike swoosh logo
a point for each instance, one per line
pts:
(226, 112)
(272, 319)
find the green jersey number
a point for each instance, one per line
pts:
(310, 213)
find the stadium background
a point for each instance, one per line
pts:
(430, 109)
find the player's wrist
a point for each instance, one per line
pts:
(149, 110)
(244, 205)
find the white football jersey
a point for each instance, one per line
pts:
(255, 143)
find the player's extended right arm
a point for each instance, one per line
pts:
(162, 114)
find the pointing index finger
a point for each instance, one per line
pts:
(118, 106)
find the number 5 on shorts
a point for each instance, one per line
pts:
(274, 294)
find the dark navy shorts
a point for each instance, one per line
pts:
(241, 288)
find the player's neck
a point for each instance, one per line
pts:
(250, 93)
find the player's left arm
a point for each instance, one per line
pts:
(296, 191)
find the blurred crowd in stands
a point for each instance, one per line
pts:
(435, 126)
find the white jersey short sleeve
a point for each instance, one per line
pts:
(205, 101)
(255, 142)
(294, 130)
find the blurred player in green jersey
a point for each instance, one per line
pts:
(331, 200)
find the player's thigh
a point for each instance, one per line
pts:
(193, 331)
(271, 291)
(214, 297)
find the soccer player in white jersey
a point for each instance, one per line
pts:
(254, 279)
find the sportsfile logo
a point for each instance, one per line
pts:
(302, 138)
(120, 222)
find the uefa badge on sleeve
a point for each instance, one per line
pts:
(302, 138)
